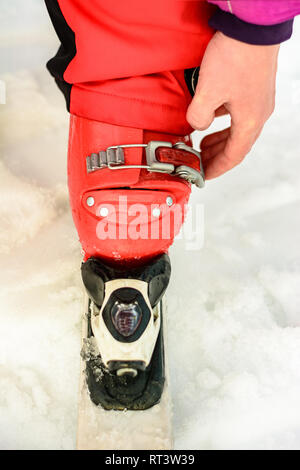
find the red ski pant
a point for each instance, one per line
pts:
(122, 61)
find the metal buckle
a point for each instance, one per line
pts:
(113, 158)
(186, 172)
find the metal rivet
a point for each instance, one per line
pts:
(169, 201)
(90, 201)
(104, 212)
(156, 212)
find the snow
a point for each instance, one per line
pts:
(234, 305)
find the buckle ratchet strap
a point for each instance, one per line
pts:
(161, 157)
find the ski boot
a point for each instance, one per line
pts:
(128, 191)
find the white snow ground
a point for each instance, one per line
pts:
(234, 305)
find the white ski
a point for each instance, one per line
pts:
(99, 429)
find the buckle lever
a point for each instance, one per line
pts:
(114, 159)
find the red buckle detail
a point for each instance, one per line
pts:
(178, 157)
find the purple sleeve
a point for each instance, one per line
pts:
(263, 12)
(251, 33)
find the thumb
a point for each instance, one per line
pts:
(201, 111)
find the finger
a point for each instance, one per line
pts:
(212, 151)
(201, 111)
(214, 138)
(221, 111)
(238, 144)
(200, 117)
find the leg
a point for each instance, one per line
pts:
(121, 67)
(126, 85)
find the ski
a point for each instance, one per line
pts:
(124, 401)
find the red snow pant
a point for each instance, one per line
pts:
(121, 67)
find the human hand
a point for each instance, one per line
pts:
(238, 79)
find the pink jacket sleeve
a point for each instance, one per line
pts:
(261, 12)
